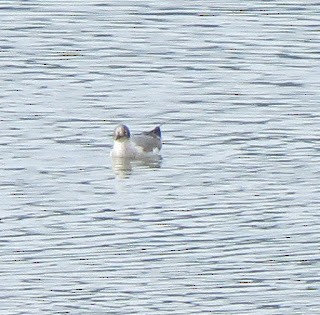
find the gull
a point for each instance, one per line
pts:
(138, 146)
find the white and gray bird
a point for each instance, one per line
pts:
(135, 146)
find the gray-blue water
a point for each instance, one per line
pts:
(226, 223)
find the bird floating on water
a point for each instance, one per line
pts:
(135, 146)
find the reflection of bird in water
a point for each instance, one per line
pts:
(146, 144)
(123, 167)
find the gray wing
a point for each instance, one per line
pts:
(147, 142)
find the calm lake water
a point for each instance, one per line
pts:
(227, 222)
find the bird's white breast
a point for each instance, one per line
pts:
(124, 149)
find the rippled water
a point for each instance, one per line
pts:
(227, 222)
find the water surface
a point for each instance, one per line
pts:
(227, 222)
